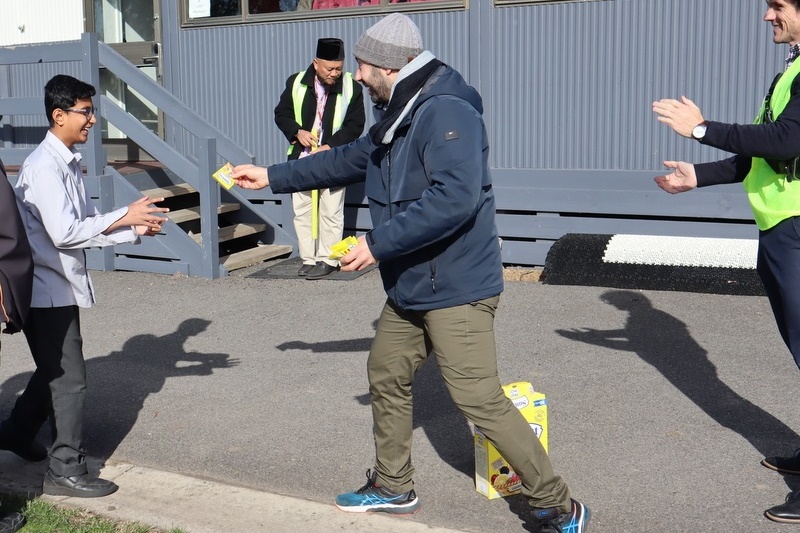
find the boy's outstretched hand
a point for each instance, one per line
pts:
(142, 215)
(250, 176)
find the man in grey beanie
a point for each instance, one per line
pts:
(425, 165)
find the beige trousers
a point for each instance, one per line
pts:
(331, 224)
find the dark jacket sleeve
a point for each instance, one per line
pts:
(284, 112)
(731, 170)
(354, 119)
(779, 140)
(337, 167)
(16, 265)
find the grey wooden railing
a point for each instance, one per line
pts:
(110, 188)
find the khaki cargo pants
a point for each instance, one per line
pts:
(462, 338)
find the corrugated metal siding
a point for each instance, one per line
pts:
(25, 81)
(567, 89)
(565, 85)
(576, 81)
(234, 75)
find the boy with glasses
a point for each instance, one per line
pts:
(61, 221)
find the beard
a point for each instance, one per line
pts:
(380, 89)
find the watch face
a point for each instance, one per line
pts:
(699, 131)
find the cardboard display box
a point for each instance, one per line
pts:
(494, 478)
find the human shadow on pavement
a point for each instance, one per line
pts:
(434, 411)
(120, 382)
(345, 345)
(664, 342)
(362, 344)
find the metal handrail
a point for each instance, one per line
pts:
(211, 142)
(167, 102)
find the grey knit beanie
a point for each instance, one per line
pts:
(389, 43)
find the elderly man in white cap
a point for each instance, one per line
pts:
(425, 164)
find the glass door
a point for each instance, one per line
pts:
(132, 28)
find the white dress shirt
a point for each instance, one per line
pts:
(61, 221)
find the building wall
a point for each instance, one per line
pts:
(565, 85)
(25, 22)
(567, 90)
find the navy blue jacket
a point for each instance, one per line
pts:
(430, 197)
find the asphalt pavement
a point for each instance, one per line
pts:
(240, 405)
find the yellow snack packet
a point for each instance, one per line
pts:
(341, 248)
(223, 176)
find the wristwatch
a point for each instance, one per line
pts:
(699, 131)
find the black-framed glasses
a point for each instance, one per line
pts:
(87, 112)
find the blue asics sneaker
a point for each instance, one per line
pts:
(554, 520)
(374, 498)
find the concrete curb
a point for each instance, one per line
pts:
(167, 500)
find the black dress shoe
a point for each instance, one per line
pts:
(81, 486)
(30, 451)
(305, 269)
(789, 512)
(321, 270)
(12, 522)
(784, 465)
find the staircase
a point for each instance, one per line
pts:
(210, 231)
(241, 241)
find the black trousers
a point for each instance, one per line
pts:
(779, 269)
(57, 388)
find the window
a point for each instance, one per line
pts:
(207, 12)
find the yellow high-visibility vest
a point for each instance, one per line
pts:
(772, 197)
(342, 101)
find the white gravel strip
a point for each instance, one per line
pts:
(681, 251)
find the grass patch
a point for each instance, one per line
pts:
(44, 517)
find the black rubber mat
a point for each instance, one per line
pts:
(577, 259)
(288, 270)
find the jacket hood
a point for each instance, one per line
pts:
(448, 82)
(445, 81)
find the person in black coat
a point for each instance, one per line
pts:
(320, 108)
(16, 281)
(16, 264)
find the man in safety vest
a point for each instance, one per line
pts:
(766, 162)
(320, 108)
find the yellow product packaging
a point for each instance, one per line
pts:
(341, 248)
(494, 477)
(223, 176)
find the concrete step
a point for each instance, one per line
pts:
(170, 191)
(234, 231)
(193, 213)
(253, 256)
